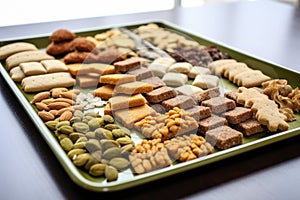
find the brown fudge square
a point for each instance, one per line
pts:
(155, 81)
(211, 122)
(180, 101)
(230, 95)
(250, 127)
(224, 137)
(219, 104)
(141, 73)
(199, 112)
(128, 64)
(238, 115)
(206, 94)
(160, 94)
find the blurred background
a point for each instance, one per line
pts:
(34, 11)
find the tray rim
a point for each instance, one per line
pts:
(80, 180)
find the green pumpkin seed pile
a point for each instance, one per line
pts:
(94, 143)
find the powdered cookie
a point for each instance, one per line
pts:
(10, 49)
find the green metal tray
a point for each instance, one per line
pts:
(127, 179)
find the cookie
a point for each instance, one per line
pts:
(44, 82)
(250, 127)
(61, 35)
(87, 81)
(210, 123)
(82, 44)
(10, 49)
(59, 49)
(250, 78)
(238, 115)
(17, 74)
(219, 104)
(141, 73)
(33, 68)
(266, 111)
(26, 56)
(180, 101)
(216, 66)
(128, 64)
(160, 66)
(232, 69)
(52, 66)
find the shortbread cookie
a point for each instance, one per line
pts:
(17, 74)
(266, 111)
(232, 69)
(197, 70)
(133, 88)
(117, 79)
(10, 49)
(125, 101)
(44, 82)
(54, 66)
(180, 67)
(175, 79)
(206, 81)
(33, 68)
(250, 78)
(26, 56)
(216, 66)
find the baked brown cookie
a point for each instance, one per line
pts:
(61, 35)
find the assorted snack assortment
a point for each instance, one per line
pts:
(136, 101)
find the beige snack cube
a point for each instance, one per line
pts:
(175, 79)
(125, 101)
(180, 67)
(206, 81)
(197, 70)
(188, 90)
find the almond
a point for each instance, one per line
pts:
(69, 101)
(40, 96)
(58, 105)
(69, 94)
(66, 116)
(41, 106)
(57, 91)
(46, 116)
(61, 111)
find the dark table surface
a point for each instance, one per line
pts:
(269, 30)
